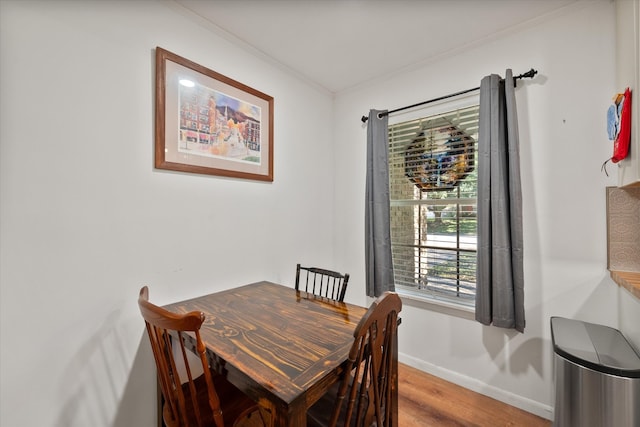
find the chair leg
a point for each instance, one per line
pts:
(160, 404)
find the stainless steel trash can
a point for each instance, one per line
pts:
(597, 376)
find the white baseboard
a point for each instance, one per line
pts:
(537, 408)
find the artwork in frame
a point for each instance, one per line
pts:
(208, 123)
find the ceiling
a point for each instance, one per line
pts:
(339, 44)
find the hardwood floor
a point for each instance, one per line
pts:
(425, 400)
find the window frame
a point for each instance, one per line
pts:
(452, 305)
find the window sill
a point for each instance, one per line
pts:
(440, 305)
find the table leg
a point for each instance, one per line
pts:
(295, 418)
(394, 390)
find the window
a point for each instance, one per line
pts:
(433, 193)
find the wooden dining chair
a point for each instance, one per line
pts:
(318, 281)
(208, 400)
(367, 394)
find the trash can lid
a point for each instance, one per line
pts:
(596, 347)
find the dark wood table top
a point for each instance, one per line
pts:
(282, 347)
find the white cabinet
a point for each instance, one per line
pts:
(628, 75)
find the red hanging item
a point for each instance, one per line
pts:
(621, 143)
(619, 127)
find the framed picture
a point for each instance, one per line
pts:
(207, 123)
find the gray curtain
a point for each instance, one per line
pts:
(378, 263)
(499, 284)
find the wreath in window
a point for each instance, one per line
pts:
(439, 157)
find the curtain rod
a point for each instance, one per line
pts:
(529, 74)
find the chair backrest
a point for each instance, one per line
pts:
(318, 281)
(166, 332)
(368, 396)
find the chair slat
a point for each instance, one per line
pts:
(322, 282)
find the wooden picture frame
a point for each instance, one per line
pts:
(207, 123)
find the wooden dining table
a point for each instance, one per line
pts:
(283, 348)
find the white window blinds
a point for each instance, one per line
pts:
(432, 167)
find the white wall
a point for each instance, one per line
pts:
(629, 306)
(563, 143)
(86, 220)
